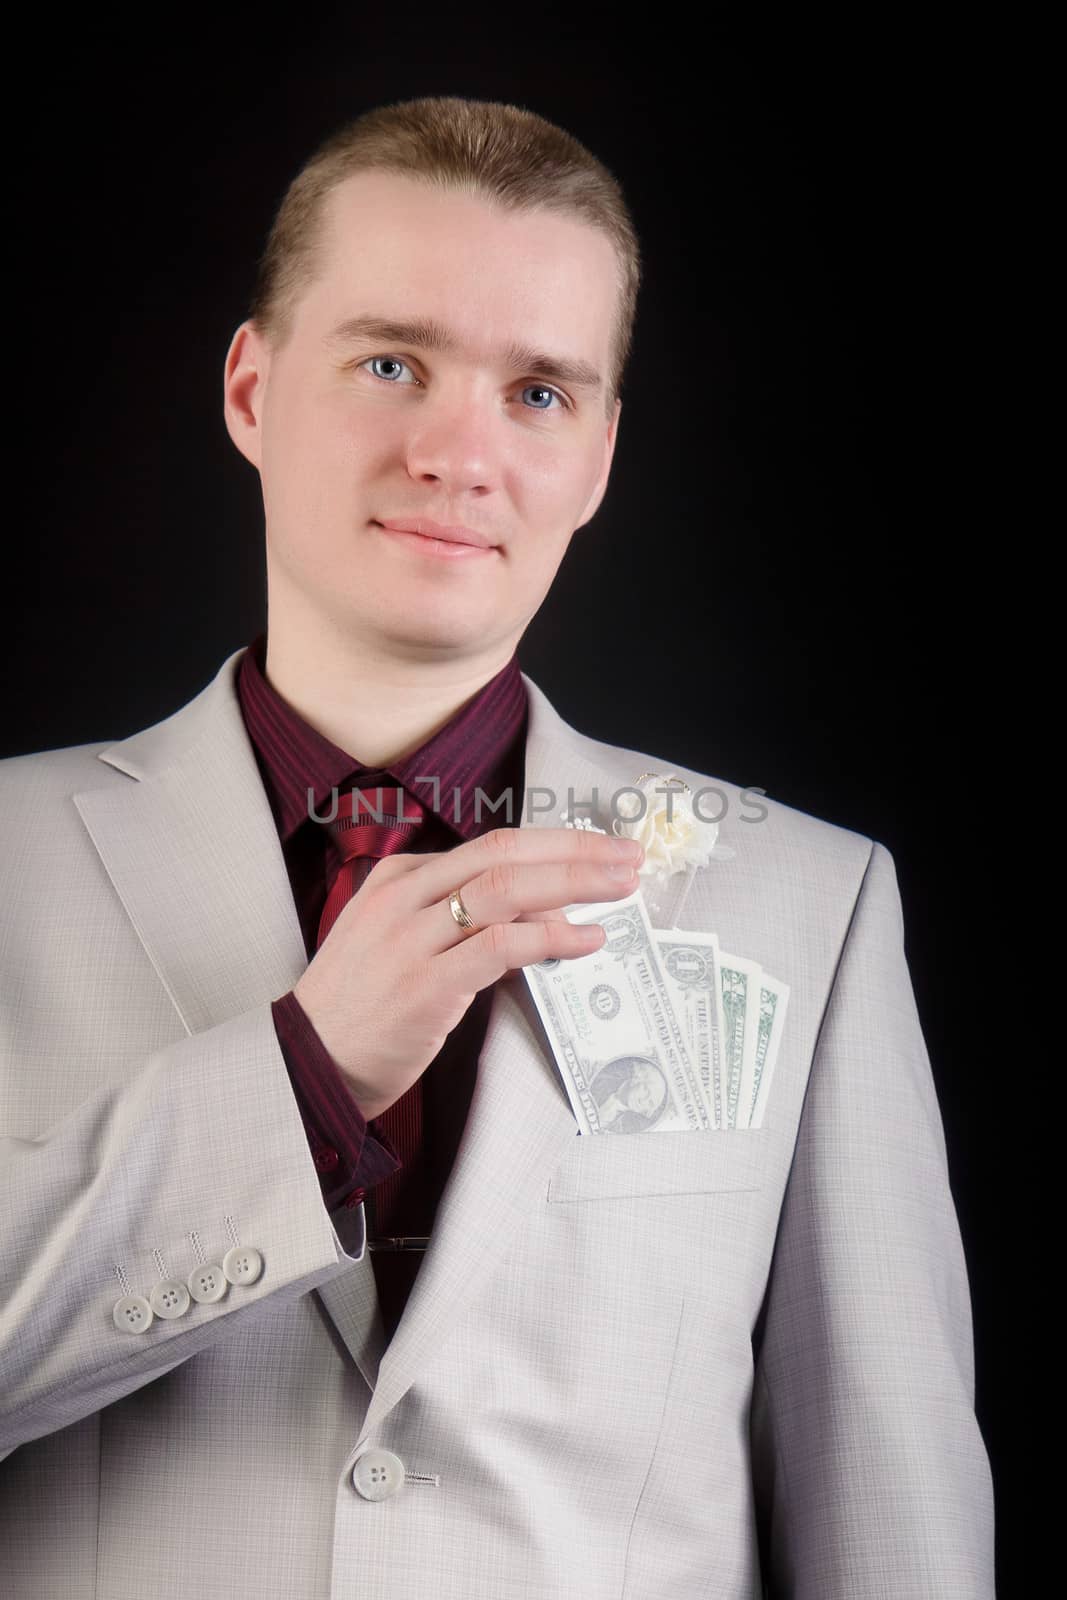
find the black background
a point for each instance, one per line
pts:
(785, 584)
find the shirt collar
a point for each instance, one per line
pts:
(481, 747)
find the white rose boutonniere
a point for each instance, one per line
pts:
(673, 836)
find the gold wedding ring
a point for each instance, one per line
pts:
(460, 914)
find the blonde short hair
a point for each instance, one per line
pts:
(510, 155)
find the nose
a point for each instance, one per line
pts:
(453, 442)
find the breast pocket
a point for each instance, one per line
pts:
(606, 1166)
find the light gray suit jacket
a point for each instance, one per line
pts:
(629, 1366)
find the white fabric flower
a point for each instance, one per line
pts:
(670, 845)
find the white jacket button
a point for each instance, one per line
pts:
(132, 1314)
(169, 1299)
(207, 1284)
(242, 1264)
(377, 1474)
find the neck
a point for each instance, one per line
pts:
(379, 708)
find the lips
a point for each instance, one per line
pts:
(427, 528)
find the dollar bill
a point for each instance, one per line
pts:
(614, 1031)
(691, 967)
(739, 987)
(774, 998)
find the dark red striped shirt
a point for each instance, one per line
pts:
(481, 746)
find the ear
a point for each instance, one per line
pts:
(243, 389)
(592, 505)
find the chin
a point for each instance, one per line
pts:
(438, 633)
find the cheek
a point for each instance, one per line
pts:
(538, 550)
(314, 460)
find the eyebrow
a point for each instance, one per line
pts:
(424, 333)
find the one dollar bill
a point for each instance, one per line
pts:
(614, 1030)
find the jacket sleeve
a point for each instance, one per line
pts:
(871, 1477)
(195, 1171)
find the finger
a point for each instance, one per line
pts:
(512, 893)
(535, 916)
(392, 866)
(505, 947)
(440, 871)
(508, 891)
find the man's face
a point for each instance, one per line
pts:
(347, 431)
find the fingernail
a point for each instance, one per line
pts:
(630, 848)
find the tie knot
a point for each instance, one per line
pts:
(374, 821)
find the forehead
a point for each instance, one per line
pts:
(401, 248)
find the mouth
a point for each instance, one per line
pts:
(433, 539)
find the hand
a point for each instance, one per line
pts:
(396, 973)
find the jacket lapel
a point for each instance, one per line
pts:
(193, 852)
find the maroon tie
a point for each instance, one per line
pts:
(361, 839)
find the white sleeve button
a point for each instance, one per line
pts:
(242, 1264)
(207, 1284)
(169, 1299)
(132, 1314)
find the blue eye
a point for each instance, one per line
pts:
(394, 359)
(540, 388)
(543, 388)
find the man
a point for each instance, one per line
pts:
(310, 1284)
